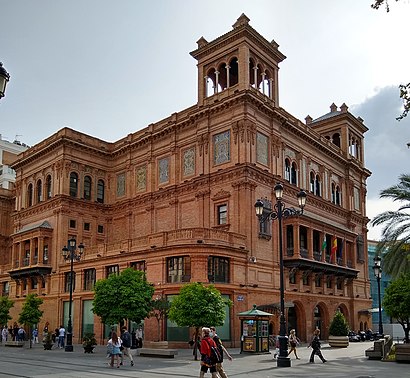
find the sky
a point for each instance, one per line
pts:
(109, 68)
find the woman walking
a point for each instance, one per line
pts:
(114, 345)
(315, 344)
(293, 342)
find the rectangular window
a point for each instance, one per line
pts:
(306, 280)
(163, 170)
(328, 282)
(86, 226)
(292, 277)
(34, 282)
(179, 269)
(138, 265)
(318, 281)
(222, 213)
(188, 162)
(6, 289)
(88, 317)
(67, 281)
(265, 225)
(356, 198)
(72, 223)
(121, 185)
(100, 229)
(89, 279)
(45, 254)
(112, 269)
(218, 269)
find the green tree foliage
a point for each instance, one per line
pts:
(396, 231)
(124, 296)
(404, 88)
(339, 325)
(5, 305)
(197, 306)
(396, 302)
(160, 308)
(31, 313)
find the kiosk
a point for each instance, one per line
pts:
(254, 331)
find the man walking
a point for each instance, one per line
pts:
(219, 368)
(315, 344)
(206, 362)
(126, 344)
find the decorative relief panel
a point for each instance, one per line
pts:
(121, 185)
(163, 170)
(222, 147)
(189, 162)
(141, 178)
(261, 148)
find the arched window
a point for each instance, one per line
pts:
(318, 188)
(312, 182)
(338, 196)
(100, 191)
(73, 184)
(333, 193)
(87, 187)
(287, 170)
(30, 195)
(336, 139)
(48, 187)
(293, 174)
(233, 72)
(39, 188)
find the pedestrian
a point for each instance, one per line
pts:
(61, 337)
(293, 343)
(15, 332)
(126, 344)
(277, 347)
(114, 345)
(219, 367)
(205, 350)
(315, 344)
(35, 336)
(4, 334)
(139, 336)
(21, 334)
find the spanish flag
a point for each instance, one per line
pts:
(333, 250)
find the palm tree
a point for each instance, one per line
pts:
(396, 232)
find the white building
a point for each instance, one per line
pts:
(8, 154)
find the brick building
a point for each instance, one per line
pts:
(176, 199)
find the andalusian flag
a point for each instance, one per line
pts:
(334, 249)
(324, 244)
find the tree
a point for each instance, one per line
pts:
(124, 296)
(404, 88)
(5, 305)
(339, 325)
(396, 232)
(196, 306)
(396, 302)
(31, 313)
(160, 308)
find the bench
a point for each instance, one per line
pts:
(11, 343)
(403, 352)
(155, 352)
(377, 351)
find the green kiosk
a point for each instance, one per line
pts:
(255, 331)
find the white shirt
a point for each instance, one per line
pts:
(61, 332)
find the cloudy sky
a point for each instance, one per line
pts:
(108, 68)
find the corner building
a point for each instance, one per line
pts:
(176, 200)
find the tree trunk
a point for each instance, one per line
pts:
(196, 344)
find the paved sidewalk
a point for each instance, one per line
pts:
(344, 362)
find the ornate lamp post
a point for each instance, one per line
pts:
(4, 78)
(378, 274)
(280, 212)
(70, 253)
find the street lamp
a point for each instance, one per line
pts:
(280, 212)
(4, 78)
(70, 253)
(378, 274)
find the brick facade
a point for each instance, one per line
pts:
(185, 188)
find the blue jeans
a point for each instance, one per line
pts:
(61, 341)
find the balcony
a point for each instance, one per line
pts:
(316, 265)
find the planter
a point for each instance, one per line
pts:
(338, 341)
(88, 349)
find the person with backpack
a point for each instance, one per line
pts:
(219, 367)
(126, 344)
(207, 350)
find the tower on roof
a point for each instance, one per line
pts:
(239, 60)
